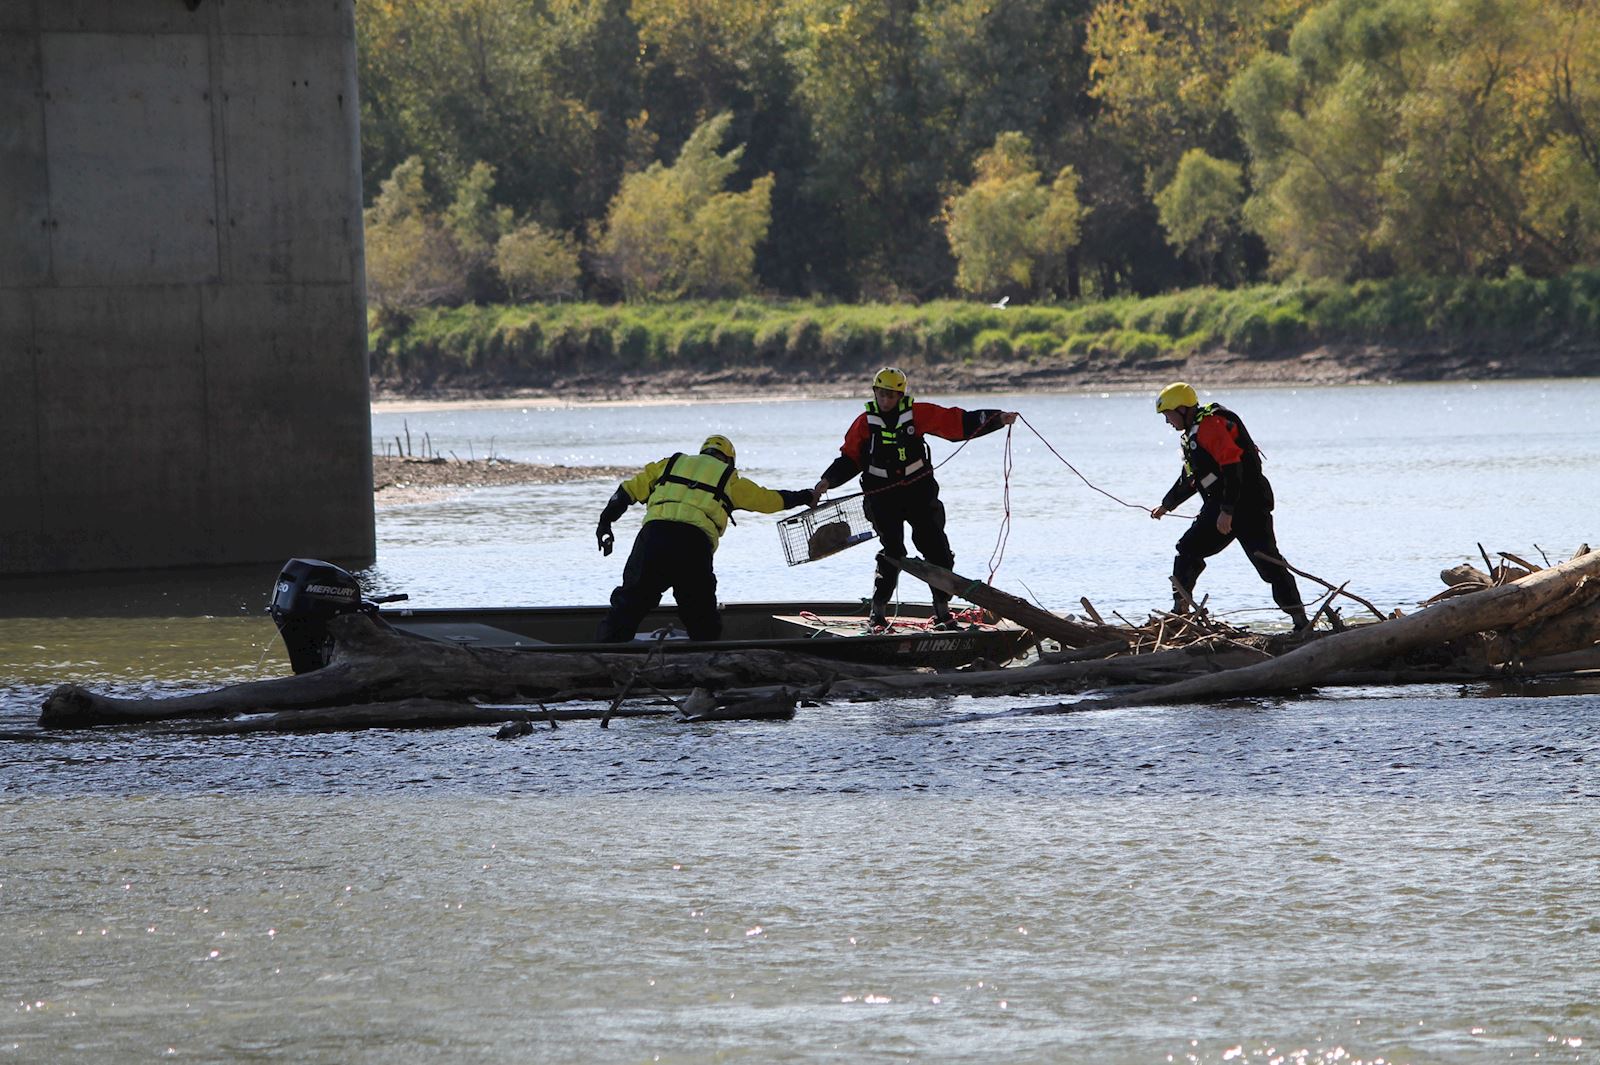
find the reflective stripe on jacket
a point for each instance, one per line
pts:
(912, 420)
(894, 450)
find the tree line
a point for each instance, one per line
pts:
(1043, 150)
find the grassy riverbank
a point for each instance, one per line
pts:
(1404, 329)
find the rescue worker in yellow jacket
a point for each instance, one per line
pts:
(688, 500)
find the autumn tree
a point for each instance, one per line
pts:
(475, 222)
(702, 57)
(537, 264)
(1200, 212)
(1431, 136)
(1008, 231)
(674, 231)
(541, 92)
(412, 261)
(1161, 69)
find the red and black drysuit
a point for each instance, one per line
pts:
(888, 450)
(1223, 464)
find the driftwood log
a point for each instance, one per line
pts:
(1067, 632)
(373, 663)
(1532, 596)
(736, 704)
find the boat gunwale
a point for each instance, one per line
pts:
(1004, 636)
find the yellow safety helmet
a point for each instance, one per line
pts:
(1176, 395)
(719, 443)
(891, 378)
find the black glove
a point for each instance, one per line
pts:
(602, 533)
(801, 498)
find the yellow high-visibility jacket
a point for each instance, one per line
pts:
(701, 490)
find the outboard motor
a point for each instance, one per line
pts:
(308, 595)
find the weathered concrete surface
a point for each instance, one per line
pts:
(182, 307)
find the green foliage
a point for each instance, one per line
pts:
(1199, 210)
(632, 341)
(530, 343)
(1035, 345)
(412, 261)
(530, 89)
(734, 342)
(1095, 318)
(914, 150)
(1081, 344)
(536, 264)
(473, 218)
(672, 232)
(1007, 231)
(993, 345)
(805, 339)
(1427, 137)
(1130, 345)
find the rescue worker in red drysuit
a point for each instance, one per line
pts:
(688, 502)
(1223, 464)
(885, 446)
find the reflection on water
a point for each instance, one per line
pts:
(1404, 875)
(233, 591)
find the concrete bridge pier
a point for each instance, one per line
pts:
(182, 310)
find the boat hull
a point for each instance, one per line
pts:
(834, 631)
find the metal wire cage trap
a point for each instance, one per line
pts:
(824, 530)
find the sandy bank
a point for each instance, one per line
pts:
(399, 481)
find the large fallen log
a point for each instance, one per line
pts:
(373, 663)
(1481, 611)
(1067, 632)
(1574, 627)
(283, 706)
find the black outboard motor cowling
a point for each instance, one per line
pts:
(309, 594)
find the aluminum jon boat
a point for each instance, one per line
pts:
(309, 593)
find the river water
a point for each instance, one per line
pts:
(1397, 875)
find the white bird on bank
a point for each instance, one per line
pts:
(1000, 304)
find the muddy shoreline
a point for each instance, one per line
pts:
(400, 481)
(1333, 364)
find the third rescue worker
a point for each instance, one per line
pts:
(1223, 464)
(885, 446)
(688, 501)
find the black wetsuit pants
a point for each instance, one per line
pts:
(666, 554)
(917, 505)
(1252, 527)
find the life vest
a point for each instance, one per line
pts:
(1204, 470)
(895, 451)
(693, 489)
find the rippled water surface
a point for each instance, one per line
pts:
(1405, 875)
